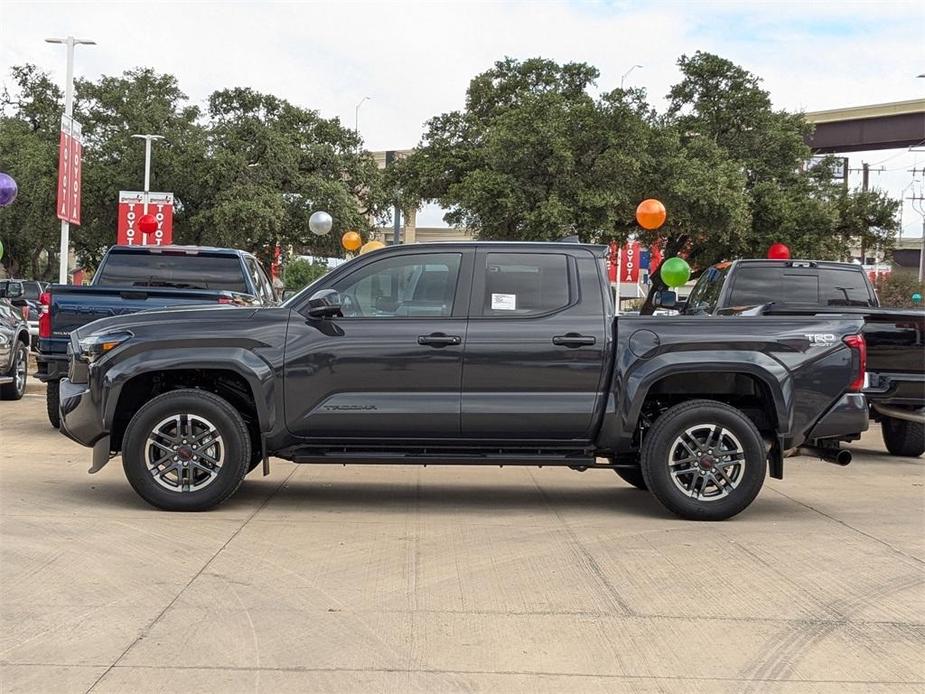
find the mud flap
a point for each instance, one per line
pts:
(100, 455)
(776, 460)
(266, 458)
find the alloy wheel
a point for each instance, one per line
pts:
(184, 453)
(706, 462)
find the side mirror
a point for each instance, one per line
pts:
(325, 303)
(666, 299)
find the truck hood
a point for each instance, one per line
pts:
(230, 317)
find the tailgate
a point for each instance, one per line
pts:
(895, 341)
(73, 307)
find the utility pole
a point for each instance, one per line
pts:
(70, 42)
(918, 204)
(148, 139)
(865, 184)
(356, 120)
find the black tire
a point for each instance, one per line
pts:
(18, 370)
(662, 442)
(903, 437)
(632, 476)
(202, 406)
(52, 400)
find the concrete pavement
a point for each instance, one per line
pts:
(398, 579)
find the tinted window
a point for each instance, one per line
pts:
(260, 281)
(31, 290)
(786, 285)
(525, 284)
(420, 286)
(706, 292)
(169, 270)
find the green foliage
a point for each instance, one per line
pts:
(246, 173)
(300, 273)
(896, 289)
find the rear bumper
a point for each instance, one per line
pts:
(845, 418)
(51, 367)
(896, 389)
(81, 419)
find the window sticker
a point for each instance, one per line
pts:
(503, 302)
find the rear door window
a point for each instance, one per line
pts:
(525, 284)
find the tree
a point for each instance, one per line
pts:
(270, 164)
(300, 273)
(30, 117)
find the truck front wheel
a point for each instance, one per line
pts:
(186, 450)
(704, 460)
(903, 437)
(52, 399)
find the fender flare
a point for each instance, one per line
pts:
(256, 372)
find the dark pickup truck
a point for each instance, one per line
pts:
(895, 338)
(140, 278)
(469, 353)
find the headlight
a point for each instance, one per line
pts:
(95, 346)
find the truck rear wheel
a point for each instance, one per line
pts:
(186, 450)
(903, 437)
(704, 460)
(52, 400)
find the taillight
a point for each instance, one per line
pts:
(858, 345)
(225, 299)
(45, 314)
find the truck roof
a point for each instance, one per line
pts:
(188, 250)
(792, 262)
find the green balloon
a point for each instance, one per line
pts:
(675, 272)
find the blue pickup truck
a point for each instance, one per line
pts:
(140, 278)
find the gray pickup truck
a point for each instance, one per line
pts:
(895, 338)
(470, 354)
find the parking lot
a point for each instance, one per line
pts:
(403, 579)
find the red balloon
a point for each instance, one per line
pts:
(147, 224)
(778, 251)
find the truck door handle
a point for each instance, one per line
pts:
(573, 340)
(439, 340)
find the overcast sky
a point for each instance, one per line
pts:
(415, 60)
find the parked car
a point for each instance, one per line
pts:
(30, 304)
(895, 337)
(14, 343)
(139, 278)
(467, 353)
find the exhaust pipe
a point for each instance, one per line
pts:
(839, 456)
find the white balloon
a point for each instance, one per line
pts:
(320, 223)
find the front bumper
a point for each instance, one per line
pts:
(845, 419)
(81, 419)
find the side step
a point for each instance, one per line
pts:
(437, 458)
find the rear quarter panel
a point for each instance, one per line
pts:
(801, 360)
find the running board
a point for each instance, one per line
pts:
(437, 458)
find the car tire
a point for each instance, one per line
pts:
(52, 402)
(19, 371)
(632, 476)
(903, 437)
(721, 447)
(198, 477)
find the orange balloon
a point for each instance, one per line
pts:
(371, 246)
(651, 214)
(351, 240)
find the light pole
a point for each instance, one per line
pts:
(627, 74)
(148, 140)
(356, 120)
(70, 42)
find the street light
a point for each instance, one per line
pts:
(148, 139)
(627, 73)
(356, 119)
(70, 42)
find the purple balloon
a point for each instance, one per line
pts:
(8, 189)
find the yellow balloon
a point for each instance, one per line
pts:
(371, 246)
(351, 240)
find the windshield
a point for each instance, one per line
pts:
(706, 292)
(172, 270)
(818, 286)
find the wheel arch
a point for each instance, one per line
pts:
(237, 375)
